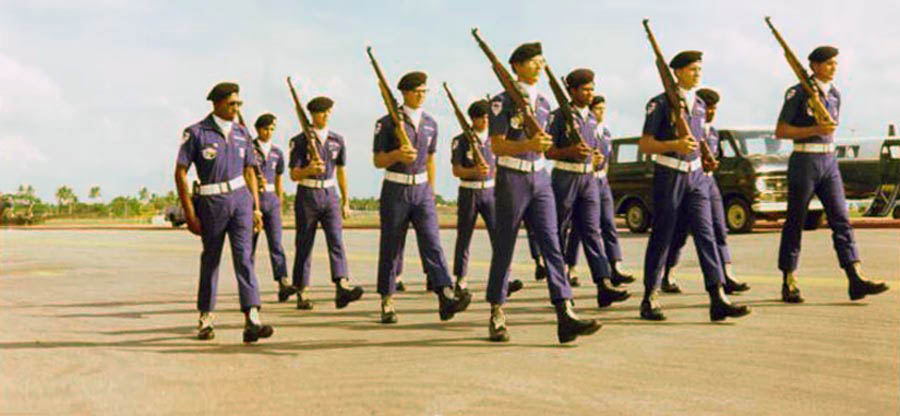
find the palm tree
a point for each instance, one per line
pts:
(144, 194)
(65, 196)
(95, 193)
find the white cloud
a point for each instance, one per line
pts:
(102, 91)
(20, 155)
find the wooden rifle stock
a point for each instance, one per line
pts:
(390, 103)
(471, 137)
(680, 107)
(821, 114)
(573, 134)
(311, 136)
(531, 124)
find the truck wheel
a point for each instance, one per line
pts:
(637, 218)
(896, 213)
(738, 216)
(814, 220)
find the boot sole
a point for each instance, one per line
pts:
(609, 302)
(719, 318)
(858, 296)
(588, 331)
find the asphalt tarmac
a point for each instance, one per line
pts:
(104, 322)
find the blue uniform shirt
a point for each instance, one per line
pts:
(462, 154)
(506, 120)
(423, 139)
(588, 129)
(217, 159)
(272, 164)
(796, 112)
(658, 123)
(332, 152)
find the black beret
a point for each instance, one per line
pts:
(478, 109)
(264, 120)
(708, 95)
(685, 58)
(221, 91)
(525, 52)
(598, 99)
(579, 77)
(412, 80)
(823, 53)
(319, 104)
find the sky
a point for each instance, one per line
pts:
(98, 92)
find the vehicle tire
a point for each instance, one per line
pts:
(814, 220)
(896, 213)
(738, 216)
(637, 217)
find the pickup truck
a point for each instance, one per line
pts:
(752, 178)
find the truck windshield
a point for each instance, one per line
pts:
(762, 142)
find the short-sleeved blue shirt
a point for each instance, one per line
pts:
(658, 123)
(587, 127)
(463, 155)
(332, 152)
(796, 112)
(423, 138)
(272, 164)
(218, 159)
(506, 120)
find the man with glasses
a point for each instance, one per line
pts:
(407, 195)
(523, 192)
(226, 202)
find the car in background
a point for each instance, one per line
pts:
(175, 215)
(752, 179)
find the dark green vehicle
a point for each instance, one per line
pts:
(752, 178)
(870, 168)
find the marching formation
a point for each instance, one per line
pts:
(501, 158)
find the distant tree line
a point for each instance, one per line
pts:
(24, 203)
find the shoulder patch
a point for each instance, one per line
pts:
(496, 107)
(651, 106)
(291, 144)
(791, 92)
(552, 117)
(185, 136)
(378, 127)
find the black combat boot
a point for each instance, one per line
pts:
(450, 304)
(344, 295)
(861, 287)
(668, 284)
(619, 276)
(606, 295)
(790, 293)
(720, 307)
(285, 290)
(733, 286)
(569, 326)
(650, 307)
(514, 286)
